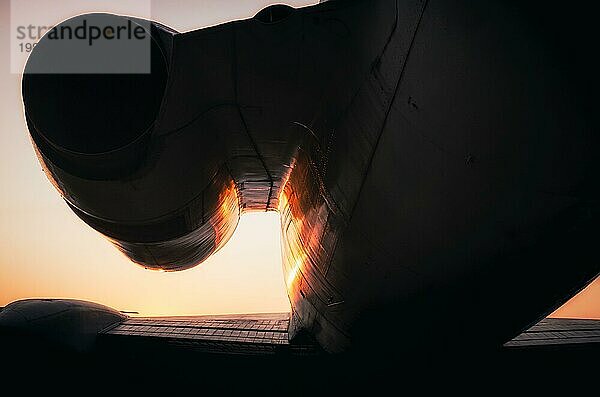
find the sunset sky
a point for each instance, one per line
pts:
(46, 251)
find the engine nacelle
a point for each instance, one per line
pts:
(96, 137)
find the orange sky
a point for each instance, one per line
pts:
(46, 251)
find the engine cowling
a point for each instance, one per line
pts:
(95, 135)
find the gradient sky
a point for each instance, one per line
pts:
(46, 251)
